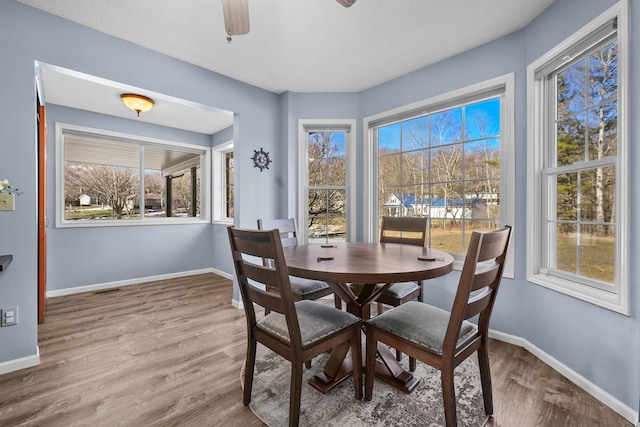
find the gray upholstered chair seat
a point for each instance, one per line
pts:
(401, 290)
(316, 321)
(304, 286)
(420, 323)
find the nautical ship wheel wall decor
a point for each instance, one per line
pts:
(261, 159)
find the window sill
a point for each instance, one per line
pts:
(131, 223)
(610, 300)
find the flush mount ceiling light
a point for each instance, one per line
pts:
(236, 17)
(346, 3)
(138, 103)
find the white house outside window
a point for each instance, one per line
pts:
(579, 179)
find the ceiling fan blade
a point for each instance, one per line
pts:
(236, 16)
(346, 3)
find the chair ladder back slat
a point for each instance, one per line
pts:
(402, 240)
(262, 275)
(478, 303)
(492, 245)
(286, 227)
(485, 277)
(289, 242)
(343, 333)
(405, 230)
(265, 245)
(258, 246)
(269, 300)
(484, 283)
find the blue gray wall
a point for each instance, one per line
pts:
(600, 345)
(78, 256)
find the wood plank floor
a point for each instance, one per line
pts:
(169, 353)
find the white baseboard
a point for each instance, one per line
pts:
(625, 411)
(136, 281)
(21, 363)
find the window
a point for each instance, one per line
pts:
(223, 180)
(324, 200)
(448, 160)
(105, 178)
(579, 178)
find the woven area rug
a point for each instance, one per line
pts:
(389, 406)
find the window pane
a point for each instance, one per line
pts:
(336, 160)
(415, 168)
(389, 170)
(453, 180)
(597, 253)
(327, 215)
(446, 127)
(102, 179)
(567, 197)
(185, 197)
(389, 139)
(446, 163)
(482, 119)
(571, 144)
(603, 74)
(482, 158)
(327, 201)
(483, 199)
(603, 131)
(587, 251)
(106, 171)
(229, 188)
(415, 133)
(154, 194)
(446, 237)
(100, 192)
(566, 248)
(390, 201)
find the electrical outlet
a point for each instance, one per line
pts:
(9, 316)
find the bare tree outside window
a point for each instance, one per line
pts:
(444, 166)
(103, 180)
(587, 133)
(327, 194)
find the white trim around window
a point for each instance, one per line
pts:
(538, 116)
(204, 164)
(505, 87)
(220, 182)
(308, 125)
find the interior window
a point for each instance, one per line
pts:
(107, 179)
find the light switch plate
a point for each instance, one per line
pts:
(8, 316)
(7, 201)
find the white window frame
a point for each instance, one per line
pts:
(220, 183)
(337, 125)
(506, 86)
(205, 178)
(618, 300)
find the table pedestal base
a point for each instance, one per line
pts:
(387, 369)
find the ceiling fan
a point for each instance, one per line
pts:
(236, 16)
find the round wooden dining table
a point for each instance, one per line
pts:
(358, 272)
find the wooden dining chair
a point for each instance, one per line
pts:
(303, 289)
(407, 231)
(297, 331)
(444, 339)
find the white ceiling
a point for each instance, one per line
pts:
(306, 45)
